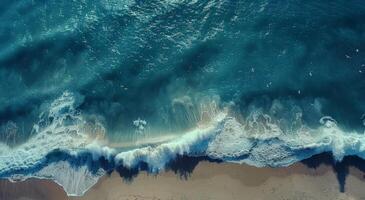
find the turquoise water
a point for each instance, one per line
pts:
(131, 59)
(136, 73)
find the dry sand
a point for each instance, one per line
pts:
(208, 181)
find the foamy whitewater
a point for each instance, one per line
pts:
(88, 87)
(255, 142)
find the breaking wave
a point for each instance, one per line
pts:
(261, 82)
(65, 150)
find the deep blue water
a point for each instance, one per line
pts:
(130, 59)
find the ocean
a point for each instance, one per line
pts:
(87, 87)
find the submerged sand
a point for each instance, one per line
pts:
(208, 181)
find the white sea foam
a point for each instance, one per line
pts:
(59, 129)
(74, 180)
(191, 143)
(257, 140)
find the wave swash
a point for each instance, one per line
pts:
(256, 141)
(88, 87)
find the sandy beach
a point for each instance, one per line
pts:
(208, 181)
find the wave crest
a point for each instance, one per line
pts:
(61, 148)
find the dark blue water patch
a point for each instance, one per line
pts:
(130, 61)
(82, 159)
(341, 168)
(182, 165)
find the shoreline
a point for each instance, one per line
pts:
(208, 180)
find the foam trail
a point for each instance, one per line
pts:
(146, 77)
(61, 150)
(228, 141)
(60, 128)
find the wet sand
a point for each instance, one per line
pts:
(208, 181)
